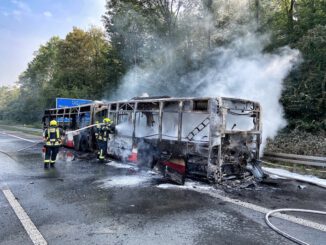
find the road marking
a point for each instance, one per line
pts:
(30, 228)
(263, 210)
(213, 193)
(32, 141)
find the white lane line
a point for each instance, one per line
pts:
(30, 228)
(263, 210)
(213, 193)
(11, 135)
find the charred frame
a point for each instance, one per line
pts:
(212, 138)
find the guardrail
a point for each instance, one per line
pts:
(297, 159)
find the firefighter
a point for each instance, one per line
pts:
(103, 138)
(52, 138)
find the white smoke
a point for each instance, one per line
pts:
(243, 70)
(239, 68)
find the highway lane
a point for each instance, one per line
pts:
(85, 202)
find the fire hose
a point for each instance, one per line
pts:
(7, 154)
(286, 235)
(39, 142)
(81, 129)
(74, 132)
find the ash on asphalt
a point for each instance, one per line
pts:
(272, 193)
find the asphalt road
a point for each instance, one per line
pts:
(85, 202)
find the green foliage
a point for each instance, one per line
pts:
(35, 81)
(301, 24)
(289, 20)
(139, 28)
(127, 30)
(82, 62)
(305, 94)
(85, 64)
(8, 96)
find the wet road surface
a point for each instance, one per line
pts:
(85, 202)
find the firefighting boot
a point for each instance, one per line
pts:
(52, 164)
(46, 165)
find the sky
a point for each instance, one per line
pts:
(26, 24)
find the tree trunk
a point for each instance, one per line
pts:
(257, 9)
(290, 13)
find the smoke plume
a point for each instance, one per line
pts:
(238, 67)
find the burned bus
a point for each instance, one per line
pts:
(202, 137)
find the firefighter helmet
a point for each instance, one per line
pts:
(53, 123)
(107, 120)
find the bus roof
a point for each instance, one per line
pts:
(156, 99)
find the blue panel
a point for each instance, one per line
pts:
(66, 120)
(65, 102)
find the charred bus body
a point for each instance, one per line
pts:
(210, 138)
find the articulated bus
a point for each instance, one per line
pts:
(203, 137)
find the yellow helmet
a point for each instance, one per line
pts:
(107, 120)
(53, 123)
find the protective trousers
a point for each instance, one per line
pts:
(102, 145)
(51, 153)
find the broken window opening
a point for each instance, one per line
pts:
(147, 124)
(200, 105)
(124, 125)
(170, 125)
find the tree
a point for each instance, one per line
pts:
(300, 24)
(7, 97)
(304, 98)
(83, 65)
(36, 82)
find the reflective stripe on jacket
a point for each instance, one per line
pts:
(103, 133)
(52, 136)
(97, 130)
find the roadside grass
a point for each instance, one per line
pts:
(36, 125)
(5, 125)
